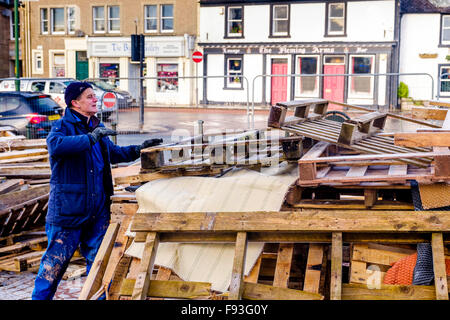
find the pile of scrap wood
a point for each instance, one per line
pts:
(360, 207)
(24, 191)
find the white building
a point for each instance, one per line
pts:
(244, 40)
(425, 48)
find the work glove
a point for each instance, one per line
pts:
(99, 133)
(149, 143)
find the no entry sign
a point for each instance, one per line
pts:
(109, 99)
(197, 56)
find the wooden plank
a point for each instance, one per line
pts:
(364, 253)
(256, 291)
(429, 113)
(237, 274)
(358, 272)
(146, 267)
(22, 153)
(357, 171)
(304, 220)
(10, 185)
(283, 266)
(387, 292)
(308, 171)
(94, 279)
(440, 276)
(422, 139)
(370, 197)
(23, 244)
(398, 170)
(336, 266)
(313, 268)
(253, 276)
(169, 289)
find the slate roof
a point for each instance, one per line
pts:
(424, 6)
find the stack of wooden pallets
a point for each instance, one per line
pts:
(349, 216)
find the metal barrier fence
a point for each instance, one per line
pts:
(128, 115)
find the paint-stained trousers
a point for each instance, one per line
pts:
(62, 244)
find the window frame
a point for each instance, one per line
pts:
(272, 33)
(440, 66)
(161, 18)
(441, 31)
(95, 19)
(42, 21)
(227, 34)
(52, 10)
(316, 93)
(35, 53)
(227, 85)
(146, 18)
(328, 20)
(109, 19)
(372, 80)
(69, 8)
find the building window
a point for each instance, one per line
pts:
(71, 20)
(445, 32)
(235, 22)
(38, 62)
(11, 25)
(44, 21)
(167, 70)
(57, 20)
(98, 16)
(335, 19)
(233, 70)
(114, 19)
(280, 20)
(151, 18)
(58, 65)
(444, 80)
(361, 86)
(166, 17)
(308, 86)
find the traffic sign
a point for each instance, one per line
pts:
(197, 56)
(109, 99)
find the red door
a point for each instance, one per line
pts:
(333, 87)
(279, 84)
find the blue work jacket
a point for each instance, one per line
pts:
(72, 193)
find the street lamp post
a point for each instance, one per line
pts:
(16, 38)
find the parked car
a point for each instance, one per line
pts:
(28, 113)
(120, 94)
(56, 87)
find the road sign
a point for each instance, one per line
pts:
(197, 56)
(109, 99)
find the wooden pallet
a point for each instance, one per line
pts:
(370, 168)
(245, 150)
(333, 227)
(23, 210)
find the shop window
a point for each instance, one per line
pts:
(44, 21)
(361, 86)
(113, 19)
(167, 84)
(444, 80)
(235, 21)
(280, 20)
(234, 72)
(110, 71)
(336, 16)
(58, 65)
(57, 20)
(151, 18)
(308, 86)
(166, 17)
(445, 29)
(71, 20)
(98, 16)
(38, 64)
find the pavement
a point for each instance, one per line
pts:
(19, 286)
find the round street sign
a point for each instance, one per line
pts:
(197, 56)
(109, 99)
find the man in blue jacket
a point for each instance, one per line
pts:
(80, 186)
